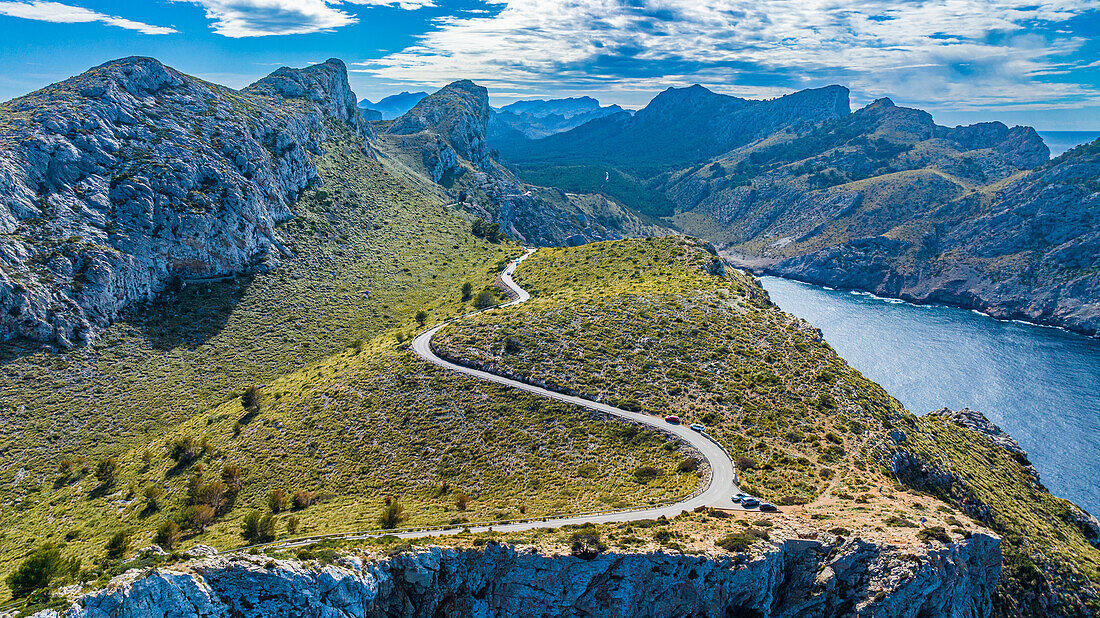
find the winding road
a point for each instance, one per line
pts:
(717, 494)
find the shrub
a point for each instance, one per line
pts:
(118, 545)
(185, 450)
(393, 514)
(588, 470)
(467, 291)
(645, 474)
(934, 533)
(483, 229)
(825, 401)
(741, 541)
(292, 524)
(512, 345)
(485, 299)
(746, 463)
(198, 516)
(259, 528)
(106, 470)
(153, 494)
(250, 400)
(231, 475)
(585, 545)
(689, 464)
(462, 502)
(302, 499)
(39, 569)
(276, 500)
(167, 535)
(898, 521)
(421, 317)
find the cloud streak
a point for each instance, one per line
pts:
(968, 52)
(59, 13)
(252, 18)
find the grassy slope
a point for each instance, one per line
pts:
(642, 321)
(349, 423)
(1044, 552)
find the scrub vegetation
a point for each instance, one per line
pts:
(186, 422)
(646, 325)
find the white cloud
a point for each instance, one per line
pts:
(968, 52)
(250, 18)
(408, 5)
(59, 13)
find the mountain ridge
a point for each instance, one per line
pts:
(108, 193)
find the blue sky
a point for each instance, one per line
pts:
(1020, 61)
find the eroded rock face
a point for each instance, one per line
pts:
(132, 175)
(792, 578)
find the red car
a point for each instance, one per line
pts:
(672, 418)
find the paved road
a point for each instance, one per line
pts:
(717, 493)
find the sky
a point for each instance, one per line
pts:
(1019, 61)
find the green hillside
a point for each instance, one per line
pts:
(159, 409)
(646, 325)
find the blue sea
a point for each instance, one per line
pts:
(1061, 141)
(1040, 384)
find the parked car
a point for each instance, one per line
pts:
(767, 507)
(749, 502)
(697, 427)
(672, 418)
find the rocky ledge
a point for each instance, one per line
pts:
(790, 578)
(133, 176)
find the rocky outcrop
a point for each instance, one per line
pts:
(132, 176)
(791, 578)
(976, 421)
(458, 115)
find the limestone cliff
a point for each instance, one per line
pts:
(792, 578)
(133, 176)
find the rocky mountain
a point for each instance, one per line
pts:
(394, 105)
(444, 139)
(885, 200)
(680, 126)
(133, 177)
(566, 108)
(805, 578)
(539, 118)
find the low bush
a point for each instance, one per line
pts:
(645, 474)
(38, 571)
(934, 533)
(392, 516)
(118, 545)
(585, 545)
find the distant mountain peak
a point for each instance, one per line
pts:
(394, 105)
